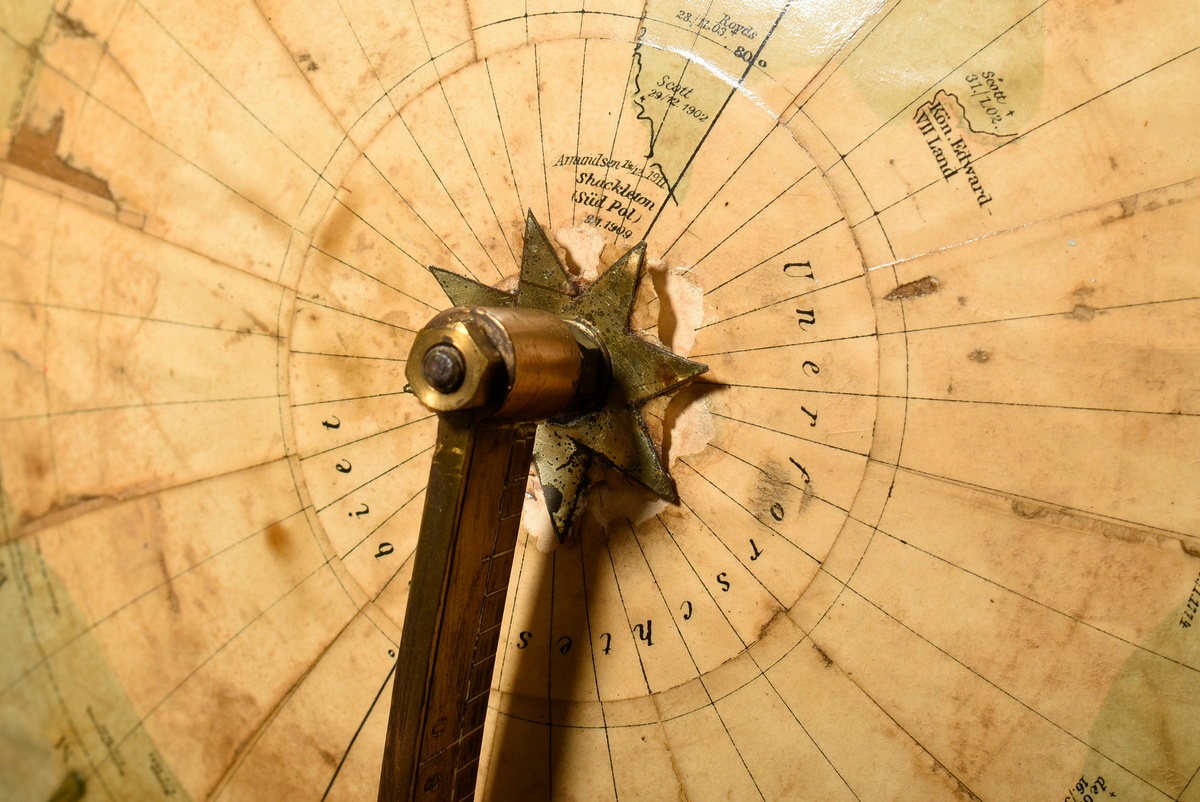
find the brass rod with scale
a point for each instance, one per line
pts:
(474, 370)
(487, 378)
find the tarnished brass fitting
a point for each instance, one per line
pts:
(507, 364)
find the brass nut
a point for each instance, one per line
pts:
(484, 375)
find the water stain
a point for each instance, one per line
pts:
(1085, 524)
(979, 355)
(1082, 312)
(826, 659)
(72, 27)
(71, 789)
(278, 540)
(914, 289)
(37, 151)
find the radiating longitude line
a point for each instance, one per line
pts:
(744, 273)
(358, 315)
(91, 627)
(358, 731)
(717, 115)
(1012, 697)
(382, 523)
(140, 723)
(373, 479)
(466, 268)
(791, 435)
(336, 355)
(980, 401)
(625, 609)
(130, 316)
(365, 437)
(581, 12)
(466, 149)
(903, 332)
(870, 335)
(1188, 785)
(993, 491)
(1066, 407)
(317, 173)
(47, 415)
(695, 666)
(550, 677)
(63, 413)
(730, 551)
(487, 66)
(537, 72)
(364, 273)
(956, 68)
(766, 529)
(364, 397)
(1020, 137)
(579, 113)
(366, 57)
(517, 571)
(587, 616)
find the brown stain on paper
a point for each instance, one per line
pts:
(37, 151)
(914, 289)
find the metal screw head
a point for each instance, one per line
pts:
(453, 365)
(444, 368)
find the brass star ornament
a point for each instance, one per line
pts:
(641, 370)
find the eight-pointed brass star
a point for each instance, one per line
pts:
(641, 370)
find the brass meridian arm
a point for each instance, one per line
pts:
(489, 373)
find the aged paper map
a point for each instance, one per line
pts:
(938, 530)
